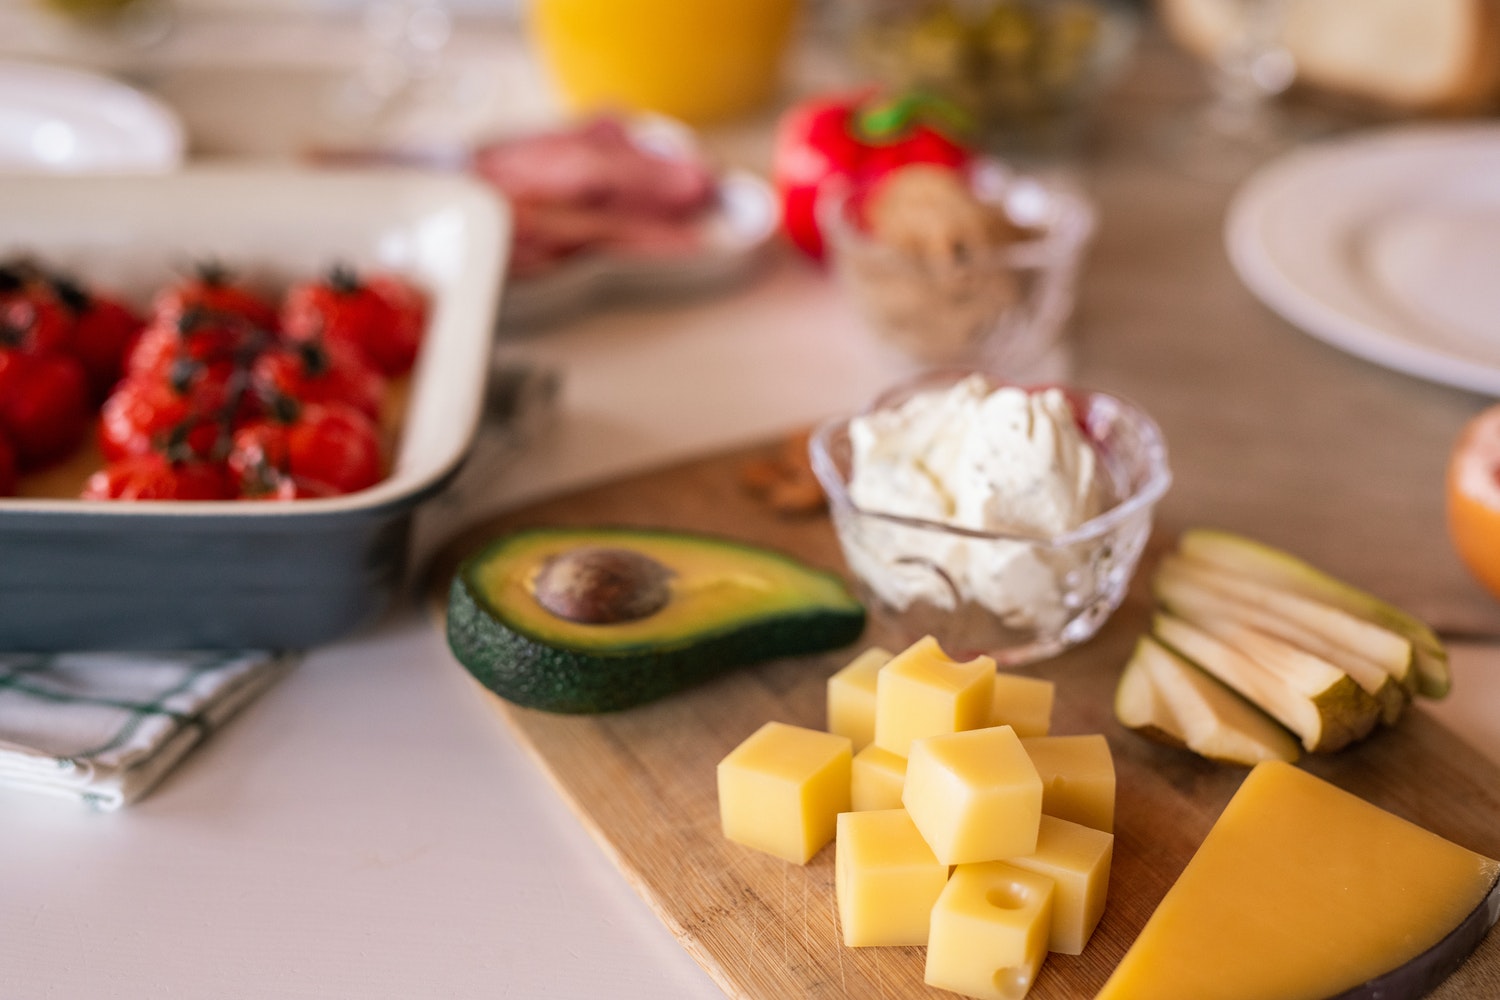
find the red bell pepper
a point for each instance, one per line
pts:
(859, 137)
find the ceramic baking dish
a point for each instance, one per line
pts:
(161, 575)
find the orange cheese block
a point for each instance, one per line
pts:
(1302, 891)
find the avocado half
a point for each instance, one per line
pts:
(721, 604)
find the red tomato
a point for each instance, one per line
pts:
(310, 372)
(146, 414)
(32, 317)
(44, 405)
(104, 331)
(382, 316)
(8, 467)
(326, 449)
(212, 338)
(212, 289)
(153, 476)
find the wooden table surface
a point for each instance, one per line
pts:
(1270, 433)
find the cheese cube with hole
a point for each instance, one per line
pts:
(975, 795)
(876, 779)
(886, 879)
(1022, 703)
(924, 692)
(1078, 778)
(781, 790)
(989, 931)
(851, 697)
(1076, 858)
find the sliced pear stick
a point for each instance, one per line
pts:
(1391, 651)
(1140, 705)
(1323, 708)
(1352, 712)
(1267, 564)
(1189, 594)
(1206, 716)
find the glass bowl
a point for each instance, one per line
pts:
(1031, 73)
(1001, 309)
(1016, 598)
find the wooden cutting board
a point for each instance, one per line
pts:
(643, 782)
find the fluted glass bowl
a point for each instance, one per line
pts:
(1002, 309)
(1014, 597)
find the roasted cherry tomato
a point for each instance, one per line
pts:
(32, 317)
(104, 330)
(213, 290)
(153, 476)
(196, 335)
(9, 467)
(148, 413)
(44, 405)
(382, 316)
(324, 449)
(312, 372)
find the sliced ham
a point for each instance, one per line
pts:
(592, 187)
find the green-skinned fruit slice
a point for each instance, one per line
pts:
(1320, 704)
(1166, 698)
(1256, 560)
(583, 620)
(1205, 595)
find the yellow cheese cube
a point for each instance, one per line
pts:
(974, 795)
(886, 879)
(1076, 858)
(781, 790)
(1078, 778)
(876, 779)
(851, 697)
(989, 931)
(1022, 703)
(923, 692)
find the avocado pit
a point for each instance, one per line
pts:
(596, 585)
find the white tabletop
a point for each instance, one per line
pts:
(369, 828)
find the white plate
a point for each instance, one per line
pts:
(1386, 245)
(59, 120)
(733, 234)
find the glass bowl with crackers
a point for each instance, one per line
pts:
(974, 268)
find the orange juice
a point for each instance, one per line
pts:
(698, 60)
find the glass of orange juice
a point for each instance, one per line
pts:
(701, 61)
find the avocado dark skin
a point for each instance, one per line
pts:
(598, 620)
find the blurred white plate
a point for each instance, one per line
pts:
(1385, 245)
(740, 225)
(59, 120)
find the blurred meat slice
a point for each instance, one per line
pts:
(594, 164)
(593, 187)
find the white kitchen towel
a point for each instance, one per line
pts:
(105, 728)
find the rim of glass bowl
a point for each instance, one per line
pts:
(1064, 215)
(1158, 472)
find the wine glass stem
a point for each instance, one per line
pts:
(1251, 66)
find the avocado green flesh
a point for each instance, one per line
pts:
(731, 604)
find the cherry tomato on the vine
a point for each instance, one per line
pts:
(154, 476)
(213, 289)
(149, 414)
(44, 405)
(382, 316)
(325, 449)
(9, 467)
(104, 330)
(312, 372)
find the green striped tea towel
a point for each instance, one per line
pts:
(104, 728)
